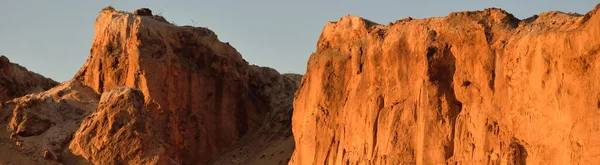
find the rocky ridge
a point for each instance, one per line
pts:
(16, 81)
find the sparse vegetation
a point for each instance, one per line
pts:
(109, 7)
(193, 22)
(143, 12)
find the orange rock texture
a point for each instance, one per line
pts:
(200, 96)
(37, 128)
(479, 87)
(119, 131)
(16, 81)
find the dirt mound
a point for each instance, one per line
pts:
(478, 87)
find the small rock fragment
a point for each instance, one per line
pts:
(48, 155)
(13, 136)
(143, 12)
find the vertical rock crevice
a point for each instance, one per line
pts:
(441, 67)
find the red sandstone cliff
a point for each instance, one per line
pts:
(480, 87)
(200, 96)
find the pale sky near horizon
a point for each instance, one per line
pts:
(53, 38)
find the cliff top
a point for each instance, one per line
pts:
(488, 13)
(495, 21)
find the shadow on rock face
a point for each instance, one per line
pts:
(517, 154)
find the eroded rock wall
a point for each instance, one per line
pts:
(480, 87)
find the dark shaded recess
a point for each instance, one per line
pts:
(517, 154)
(491, 83)
(197, 56)
(441, 68)
(32, 125)
(466, 83)
(360, 60)
(11, 87)
(531, 19)
(589, 15)
(4, 62)
(100, 78)
(512, 21)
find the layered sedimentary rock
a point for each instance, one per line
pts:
(479, 87)
(199, 94)
(16, 81)
(38, 127)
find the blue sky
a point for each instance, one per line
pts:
(53, 38)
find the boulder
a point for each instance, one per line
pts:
(119, 131)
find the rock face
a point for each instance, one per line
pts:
(273, 142)
(119, 131)
(199, 94)
(16, 81)
(479, 87)
(40, 126)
